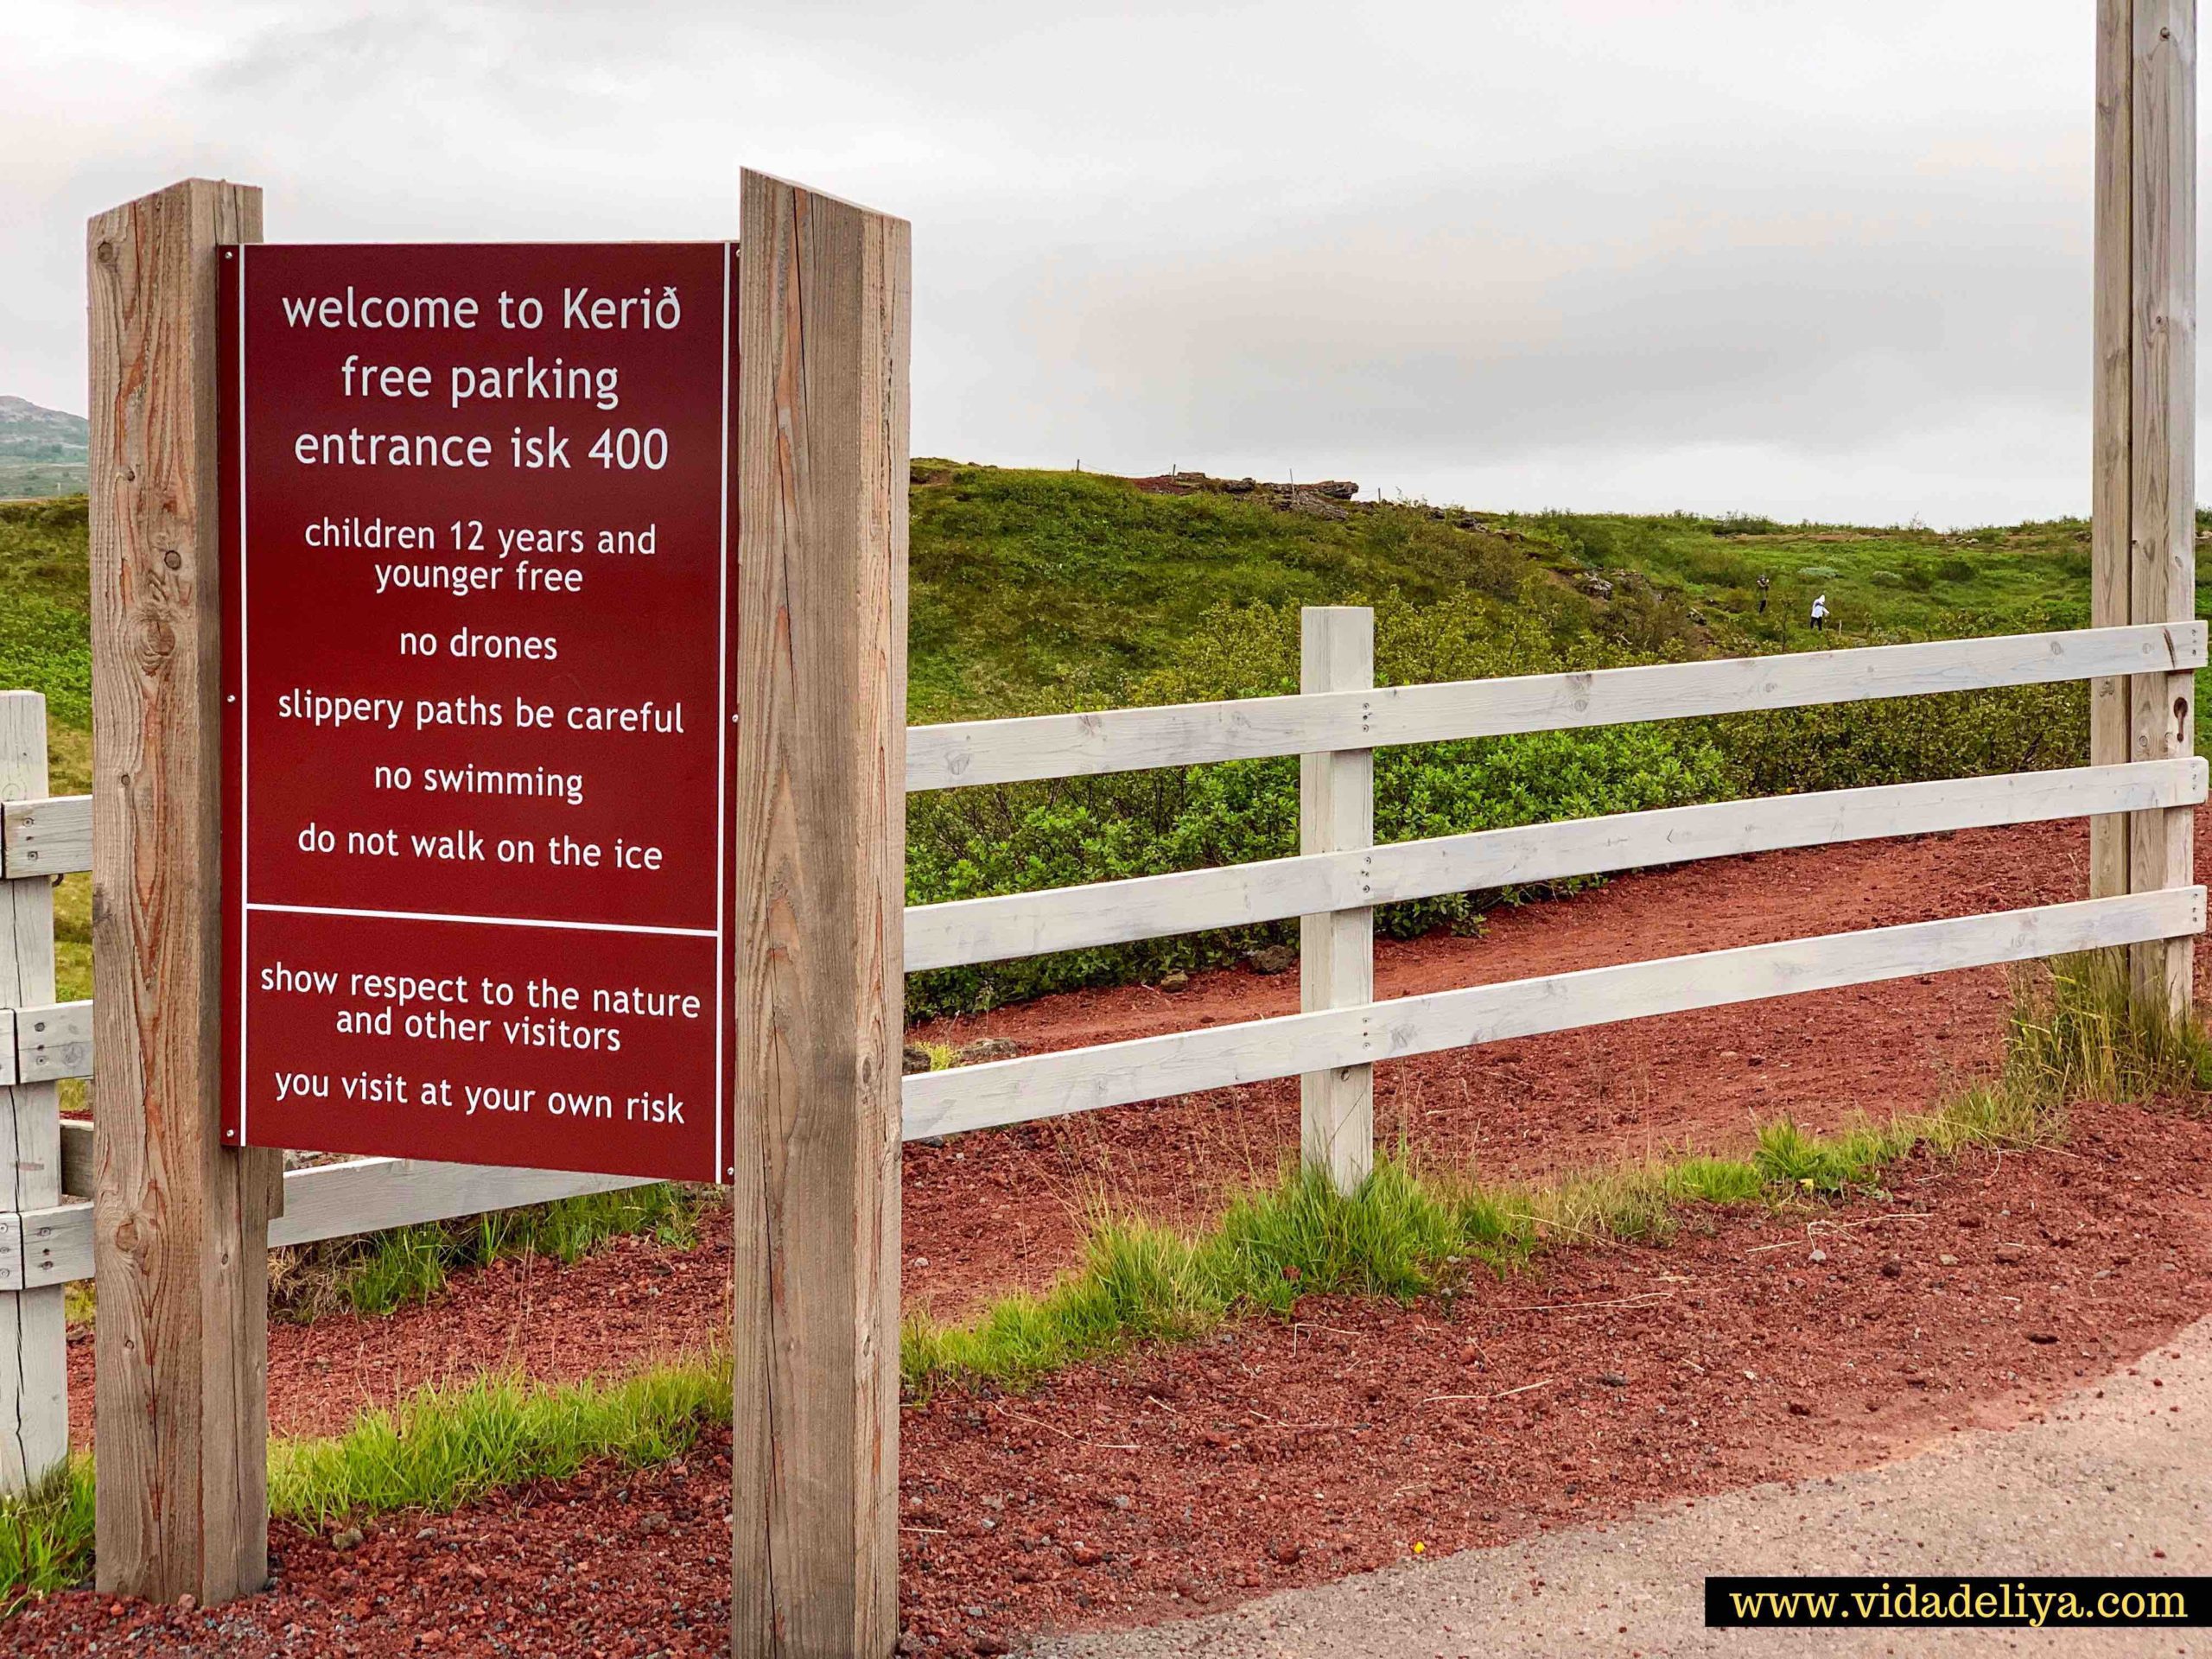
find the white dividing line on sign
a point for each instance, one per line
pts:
(722, 1172)
(490, 921)
(246, 705)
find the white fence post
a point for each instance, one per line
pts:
(1336, 813)
(33, 1372)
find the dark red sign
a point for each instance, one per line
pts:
(480, 603)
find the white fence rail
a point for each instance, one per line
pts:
(971, 931)
(1183, 734)
(1114, 1074)
(44, 1244)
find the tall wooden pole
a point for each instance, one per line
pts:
(2112, 420)
(181, 1223)
(820, 823)
(2144, 540)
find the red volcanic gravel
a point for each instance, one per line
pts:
(1287, 1452)
(1284, 1452)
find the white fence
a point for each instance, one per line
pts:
(1334, 884)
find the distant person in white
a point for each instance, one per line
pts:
(1820, 613)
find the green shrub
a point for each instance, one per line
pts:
(1742, 524)
(971, 844)
(1906, 740)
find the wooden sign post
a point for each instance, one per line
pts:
(181, 1223)
(2143, 476)
(815, 869)
(820, 893)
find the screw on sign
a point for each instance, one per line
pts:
(476, 676)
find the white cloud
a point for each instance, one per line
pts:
(1788, 258)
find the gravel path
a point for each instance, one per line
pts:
(2116, 1480)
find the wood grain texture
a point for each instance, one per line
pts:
(2112, 413)
(53, 1040)
(181, 1394)
(34, 1350)
(44, 1247)
(2161, 471)
(969, 930)
(1128, 740)
(47, 836)
(1154, 1068)
(820, 832)
(1335, 814)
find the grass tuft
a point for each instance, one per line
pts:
(443, 1448)
(376, 1273)
(2078, 1033)
(46, 1535)
(446, 1447)
(2074, 1033)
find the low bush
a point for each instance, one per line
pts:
(1905, 740)
(971, 844)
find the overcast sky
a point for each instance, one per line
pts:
(1790, 257)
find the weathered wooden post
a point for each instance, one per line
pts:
(181, 1222)
(1335, 814)
(2143, 485)
(821, 799)
(34, 1351)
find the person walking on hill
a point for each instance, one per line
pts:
(1765, 583)
(1821, 614)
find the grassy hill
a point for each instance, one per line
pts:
(1070, 586)
(1037, 590)
(42, 451)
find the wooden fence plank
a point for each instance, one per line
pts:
(971, 931)
(1128, 740)
(339, 1200)
(51, 837)
(2161, 464)
(820, 826)
(34, 1336)
(1151, 1068)
(1335, 814)
(40, 1247)
(182, 1372)
(51, 1042)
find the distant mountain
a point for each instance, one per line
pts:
(42, 451)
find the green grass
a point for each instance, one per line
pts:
(1898, 578)
(46, 1538)
(447, 1447)
(443, 1448)
(1401, 1234)
(45, 619)
(2073, 1033)
(376, 1273)
(1068, 586)
(1064, 587)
